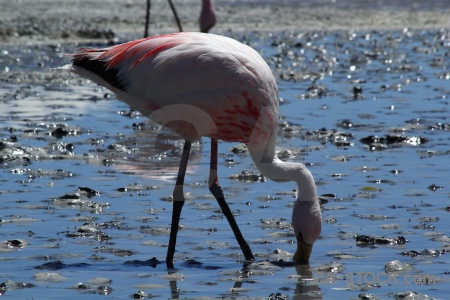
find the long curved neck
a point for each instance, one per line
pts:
(265, 158)
(306, 215)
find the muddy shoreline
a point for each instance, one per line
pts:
(30, 21)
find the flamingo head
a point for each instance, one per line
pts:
(307, 224)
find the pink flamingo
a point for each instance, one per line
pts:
(207, 16)
(207, 85)
(206, 20)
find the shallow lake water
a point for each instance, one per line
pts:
(86, 182)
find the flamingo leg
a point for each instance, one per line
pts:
(147, 17)
(217, 191)
(174, 11)
(178, 202)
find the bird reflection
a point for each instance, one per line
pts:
(158, 155)
(306, 287)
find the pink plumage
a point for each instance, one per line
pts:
(226, 80)
(207, 85)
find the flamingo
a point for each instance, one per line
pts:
(207, 16)
(207, 85)
(206, 20)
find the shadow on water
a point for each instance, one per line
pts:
(306, 287)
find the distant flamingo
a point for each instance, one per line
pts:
(207, 85)
(207, 16)
(206, 20)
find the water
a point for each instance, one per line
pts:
(337, 89)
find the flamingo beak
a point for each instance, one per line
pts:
(303, 252)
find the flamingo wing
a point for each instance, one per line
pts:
(228, 81)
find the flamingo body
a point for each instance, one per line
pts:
(210, 74)
(207, 85)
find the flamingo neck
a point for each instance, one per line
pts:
(207, 16)
(266, 160)
(207, 4)
(277, 170)
(306, 215)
